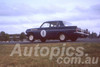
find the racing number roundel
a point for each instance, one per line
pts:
(43, 33)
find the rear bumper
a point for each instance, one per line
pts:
(81, 34)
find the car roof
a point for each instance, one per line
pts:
(54, 22)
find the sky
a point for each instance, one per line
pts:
(18, 15)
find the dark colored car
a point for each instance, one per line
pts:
(56, 30)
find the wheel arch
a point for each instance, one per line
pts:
(61, 33)
(30, 33)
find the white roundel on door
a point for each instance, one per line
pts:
(43, 33)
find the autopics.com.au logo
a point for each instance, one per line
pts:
(63, 54)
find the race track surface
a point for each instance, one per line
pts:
(54, 41)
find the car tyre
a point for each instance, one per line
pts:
(62, 37)
(31, 38)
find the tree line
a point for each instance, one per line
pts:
(94, 35)
(20, 37)
(9, 37)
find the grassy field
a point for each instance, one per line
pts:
(93, 49)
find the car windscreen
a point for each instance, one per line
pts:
(45, 25)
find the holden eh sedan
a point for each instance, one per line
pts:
(56, 30)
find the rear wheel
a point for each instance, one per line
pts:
(62, 37)
(31, 38)
(73, 38)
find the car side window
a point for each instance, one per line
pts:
(58, 25)
(55, 25)
(45, 25)
(52, 25)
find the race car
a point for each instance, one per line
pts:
(56, 30)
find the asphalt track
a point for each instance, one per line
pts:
(55, 41)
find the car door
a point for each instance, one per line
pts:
(49, 32)
(53, 32)
(45, 30)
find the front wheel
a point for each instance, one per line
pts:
(62, 37)
(31, 38)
